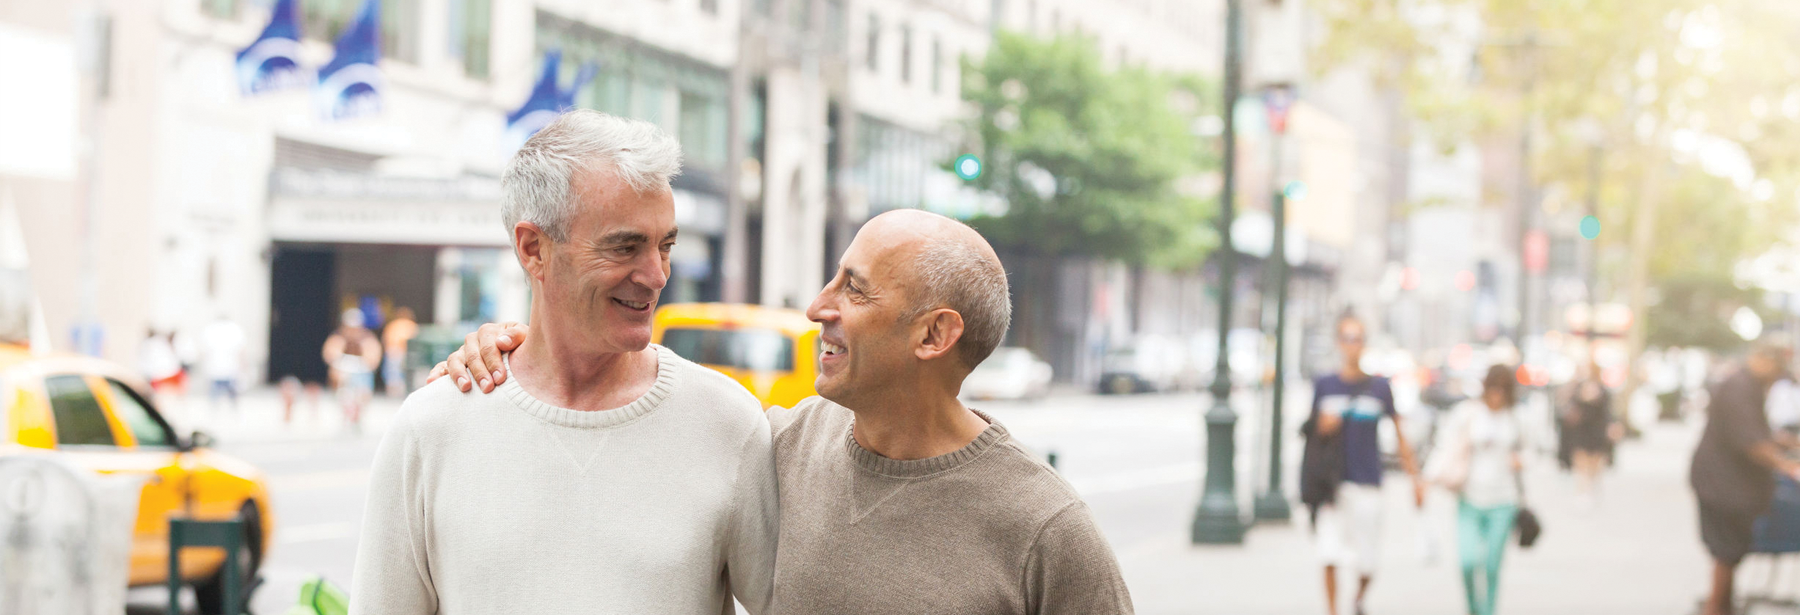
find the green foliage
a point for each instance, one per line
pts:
(1695, 312)
(1660, 87)
(1088, 158)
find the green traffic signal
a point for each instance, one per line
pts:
(1590, 227)
(968, 167)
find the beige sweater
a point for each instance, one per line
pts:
(987, 529)
(504, 504)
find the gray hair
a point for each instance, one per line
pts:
(956, 275)
(536, 185)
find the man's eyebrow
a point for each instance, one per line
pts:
(619, 237)
(672, 233)
(856, 278)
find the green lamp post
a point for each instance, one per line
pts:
(1272, 504)
(1217, 520)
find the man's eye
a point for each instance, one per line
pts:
(668, 246)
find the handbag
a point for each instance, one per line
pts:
(1527, 523)
(1529, 527)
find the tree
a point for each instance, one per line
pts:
(1089, 160)
(1689, 103)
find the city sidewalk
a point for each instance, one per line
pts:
(258, 417)
(1636, 550)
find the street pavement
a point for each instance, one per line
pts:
(1137, 460)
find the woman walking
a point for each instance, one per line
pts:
(1588, 432)
(1481, 465)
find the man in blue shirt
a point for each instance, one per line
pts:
(1350, 405)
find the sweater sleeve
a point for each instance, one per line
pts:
(392, 575)
(1071, 569)
(754, 523)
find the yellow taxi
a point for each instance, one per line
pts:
(771, 351)
(96, 415)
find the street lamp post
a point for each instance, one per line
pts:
(1272, 505)
(1217, 520)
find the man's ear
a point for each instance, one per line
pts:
(943, 328)
(532, 247)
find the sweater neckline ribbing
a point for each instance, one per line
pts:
(601, 419)
(920, 468)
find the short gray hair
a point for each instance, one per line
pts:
(536, 185)
(954, 274)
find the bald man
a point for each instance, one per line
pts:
(896, 498)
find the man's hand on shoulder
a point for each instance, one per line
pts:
(478, 362)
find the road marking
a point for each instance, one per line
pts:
(310, 481)
(1137, 479)
(313, 533)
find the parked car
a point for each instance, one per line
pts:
(1009, 373)
(773, 352)
(97, 416)
(1147, 364)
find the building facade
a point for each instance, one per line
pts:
(209, 202)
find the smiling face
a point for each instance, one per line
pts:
(866, 339)
(600, 286)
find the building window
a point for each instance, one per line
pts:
(326, 19)
(684, 98)
(799, 14)
(702, 130)
(872, 54)
(892, 163)
(471, 24)
(647, 96)
(937, 65)
(222, 9)
(611, 92)
(837, 38)
(906, 54)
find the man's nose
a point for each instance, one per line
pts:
(653, 272)
(821, 305)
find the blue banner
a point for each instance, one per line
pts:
(272, 62)
(350, 86)
(547, 100)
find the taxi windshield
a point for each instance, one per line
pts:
(751, 349)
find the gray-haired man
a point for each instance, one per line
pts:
(610, 475)
(895, 498)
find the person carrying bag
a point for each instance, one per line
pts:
(1481, 464)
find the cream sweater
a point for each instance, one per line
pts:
(505, 504)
